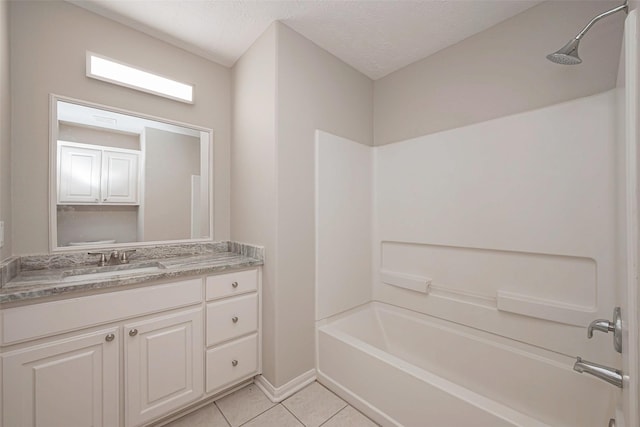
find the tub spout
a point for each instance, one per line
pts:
(610, 375)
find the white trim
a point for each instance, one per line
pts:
(631, 348)
(278, 394)
(52, 148)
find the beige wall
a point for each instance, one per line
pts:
(5, 131)
(286, 87)
(253, 171)
(170, 160)
(315, 91)
(49, 40)
(500, 71)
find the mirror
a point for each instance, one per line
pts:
(121, 178)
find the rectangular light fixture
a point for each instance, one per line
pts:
(108, 70)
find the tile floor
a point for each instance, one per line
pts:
(313, 406)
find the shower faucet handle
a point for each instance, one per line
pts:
(606, 326)
(601, 325)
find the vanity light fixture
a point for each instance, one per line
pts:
(108, 70)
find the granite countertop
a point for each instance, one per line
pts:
(38, 276)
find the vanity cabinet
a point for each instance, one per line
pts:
(163, 364)
(93, 174)
(129, 357)
(233, 313)
(69, 382)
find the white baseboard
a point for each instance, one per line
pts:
(278, 394)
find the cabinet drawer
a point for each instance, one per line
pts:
(225, 285)
(232, 362)
(231, 318)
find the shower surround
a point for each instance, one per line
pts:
(480, 256)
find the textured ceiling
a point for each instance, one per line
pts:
(375, 37)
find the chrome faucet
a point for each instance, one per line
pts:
(116, 257)
(610, 375)
(102, 261)
(124, 256)
(606, 326)
(121, 257)
(601, 325)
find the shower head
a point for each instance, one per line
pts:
(568, 54)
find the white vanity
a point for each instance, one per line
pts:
(145, 348)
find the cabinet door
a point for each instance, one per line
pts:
(120, 177)
(79, 174)
(72, 382)
(163, 365)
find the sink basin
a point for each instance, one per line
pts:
(111, 271)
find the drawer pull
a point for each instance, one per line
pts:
(133, 332)
(234, 363)
(109, 337)
(234, 319)
(234, 284)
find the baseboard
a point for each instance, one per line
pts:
(278, 394)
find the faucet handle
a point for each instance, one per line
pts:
(606, 326)
(103, 258)
(124, 256)
(601, 325)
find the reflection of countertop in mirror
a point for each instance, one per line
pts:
(31, 278)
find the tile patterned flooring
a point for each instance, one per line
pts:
(313, 406)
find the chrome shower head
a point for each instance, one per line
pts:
(568, 54)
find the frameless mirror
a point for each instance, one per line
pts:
(121, 178)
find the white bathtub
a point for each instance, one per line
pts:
(403, 368)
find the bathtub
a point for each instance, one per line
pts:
(403, 368)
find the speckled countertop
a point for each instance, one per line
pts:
(39, 276)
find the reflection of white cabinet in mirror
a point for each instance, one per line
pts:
(97, 174)
(122, 176)
(79, 173)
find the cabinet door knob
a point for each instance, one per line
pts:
(109, 337)
(234, 319)
(234, 284)
(234, 363)
(133, 332)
